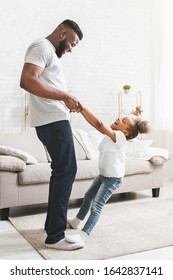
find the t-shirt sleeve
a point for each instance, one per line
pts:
(120, 137)
(38, 54)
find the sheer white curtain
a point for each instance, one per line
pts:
(164, 93)
(162, 80)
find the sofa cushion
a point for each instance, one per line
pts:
(40, 173)
(9, 163)
(25, 141)
(138, 166)
(35, 174)
(86, 169)
(89, 140)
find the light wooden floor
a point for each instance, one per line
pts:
(14, 247)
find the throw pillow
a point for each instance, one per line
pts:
(136, 148)
(158, 160)
(5, 150)
(157, 155)
(9, 163)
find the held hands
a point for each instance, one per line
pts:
(72, 103)
(78, 109)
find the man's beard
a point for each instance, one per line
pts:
(61, 48)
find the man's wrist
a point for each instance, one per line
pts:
(63, 95)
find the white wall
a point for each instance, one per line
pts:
(120, 45)
(115, 50)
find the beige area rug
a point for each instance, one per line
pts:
(122, 229)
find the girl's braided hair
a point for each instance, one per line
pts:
(139, 126)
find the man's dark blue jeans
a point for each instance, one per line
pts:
(58, 139)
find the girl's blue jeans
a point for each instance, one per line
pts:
(95, 198)
(58, 139)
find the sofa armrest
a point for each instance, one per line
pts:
(10, 163)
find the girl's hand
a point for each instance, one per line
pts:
(80, 107)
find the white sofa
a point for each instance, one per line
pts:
(25, 172)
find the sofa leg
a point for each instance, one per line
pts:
(155, 192)
(4, 214)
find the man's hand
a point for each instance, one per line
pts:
(72, 103)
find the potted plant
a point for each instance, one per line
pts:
(126, 88)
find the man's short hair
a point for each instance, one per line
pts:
(74, 26)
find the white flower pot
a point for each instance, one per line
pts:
(126, 91)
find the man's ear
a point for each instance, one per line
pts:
(63, 34)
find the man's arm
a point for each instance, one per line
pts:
(95, 122)
(31, 82)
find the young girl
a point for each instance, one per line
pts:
(112, 155)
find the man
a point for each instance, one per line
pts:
(42, 76)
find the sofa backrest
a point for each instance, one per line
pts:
(26, 141)
(80, 153)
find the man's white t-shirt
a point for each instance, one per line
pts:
(112, 156)
(42, 110)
